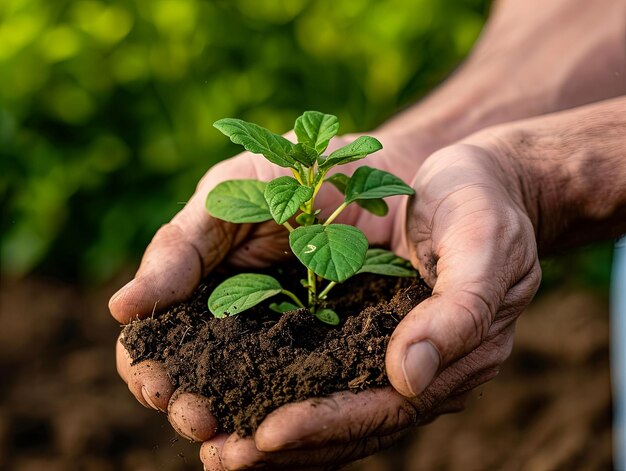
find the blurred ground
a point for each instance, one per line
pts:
(62, 406)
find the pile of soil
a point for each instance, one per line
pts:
(255, 362)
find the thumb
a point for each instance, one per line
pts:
(474, 282)
(181, 253)
(434, 334)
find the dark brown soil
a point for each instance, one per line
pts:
(255, 362)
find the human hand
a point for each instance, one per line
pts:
(182, 253)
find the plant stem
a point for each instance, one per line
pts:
(319, 184)
(294, 298)
(337, 212)
(297, 176)
(325, 291)
(288, 226)
(309, 204)
(312, 290)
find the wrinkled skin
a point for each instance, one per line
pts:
(469, 235)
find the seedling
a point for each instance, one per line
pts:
(331, 253)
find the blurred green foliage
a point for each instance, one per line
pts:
(106, 107)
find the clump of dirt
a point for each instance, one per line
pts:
(253, 363)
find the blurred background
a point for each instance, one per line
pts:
(106, 112)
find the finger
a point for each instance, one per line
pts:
(150, 385)
(241, 453)
(190, 415)
(443, 334)
(474, 369)
(476, 267)
(452, 405)
(339, 418)
(210, 452)
(123, 361)
(179, 255)
(182, 251)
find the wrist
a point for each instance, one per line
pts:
(569, 169)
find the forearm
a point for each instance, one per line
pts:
(570, 170)
(534, 57)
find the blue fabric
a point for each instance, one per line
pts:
(618, 353)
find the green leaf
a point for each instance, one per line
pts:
(239, 201)
(304, 154)
(370, 183)
(356, 150)
(334, 252)
(384, 262)
(375, 206)
(339, 181)
(241, 292)
(327, 316)
(283, 307)
(316, 129)
(259, 140)
(284, 195)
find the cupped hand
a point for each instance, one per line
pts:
(469, 233)
(185, 251)
(182, 253)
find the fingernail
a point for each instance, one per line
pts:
(148, 398)
(180, 432)
(121, 290)
(420, 366)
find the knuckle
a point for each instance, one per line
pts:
(388, 421)
(169, 233)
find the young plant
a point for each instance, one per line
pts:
(331, 253)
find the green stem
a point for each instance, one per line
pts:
(325, 291)
(293, 297)
(297, 176)
(319, 184)
(337, 212)
(312, 290)
(288, 226)
(309, 205)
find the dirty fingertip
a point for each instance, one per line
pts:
(149, 383)
(190, 415)
(210, 453)
(120, 305)
(240, 453)
(123, 361)
(275, 434)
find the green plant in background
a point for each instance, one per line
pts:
(106, 106)
(331, 253)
